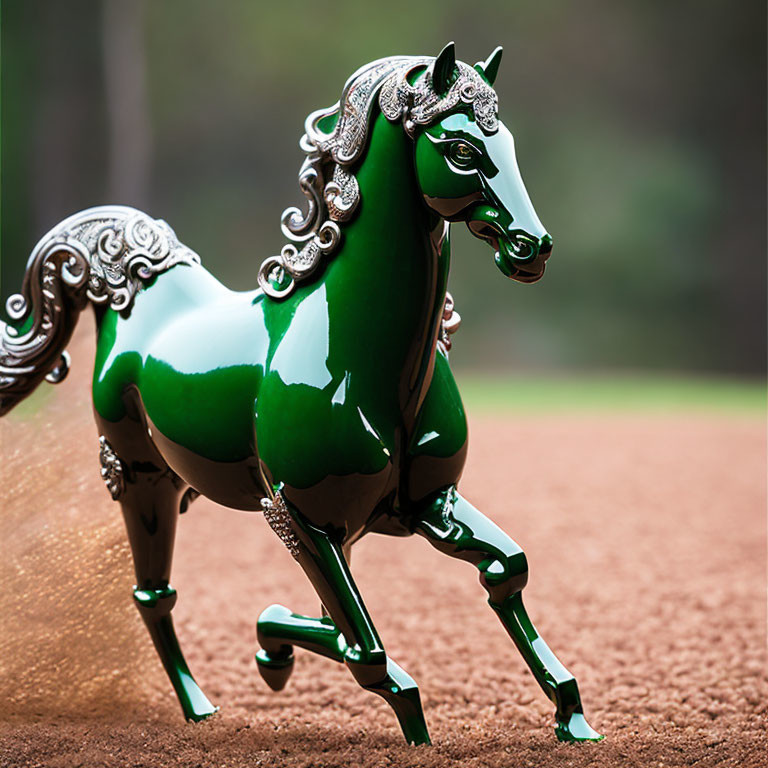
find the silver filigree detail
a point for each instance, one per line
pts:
(449, 324)
(342, 194)
(124, 248)
(419, 103)
(53, 294)
(326, 177)
(111, 469)
(279, 518)
(104, 254)
(297, 226)
(127, 248)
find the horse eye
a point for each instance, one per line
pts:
(462, 154)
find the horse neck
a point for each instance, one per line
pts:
(387, 282)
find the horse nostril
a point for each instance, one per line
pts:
(525, 248)
(545, 245)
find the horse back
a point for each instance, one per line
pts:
(185, 367)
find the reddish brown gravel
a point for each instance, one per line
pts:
(646, 538)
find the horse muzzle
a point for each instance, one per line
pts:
(520, 255)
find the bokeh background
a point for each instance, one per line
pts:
(640, 129)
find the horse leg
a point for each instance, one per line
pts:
(346, 635)
(278, 629)
(453, 526)
(150, 496)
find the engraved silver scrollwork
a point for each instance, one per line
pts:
(342, 194)
(53, 294)
(127, 249)
(420, 104)
(105, 254)
(123, 248)
(111, 469)
(326, 177)
(296, 225)
(279, 519)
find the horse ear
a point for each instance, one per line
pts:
(490, 67)
(444, 69)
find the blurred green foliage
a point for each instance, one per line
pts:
(535, 395)
(640, 129)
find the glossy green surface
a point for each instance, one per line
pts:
(239, 390)
(338, 399)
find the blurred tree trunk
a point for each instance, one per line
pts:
(63, 109)
(130, 141)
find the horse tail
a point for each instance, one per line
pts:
(43, 317)
(102, 255)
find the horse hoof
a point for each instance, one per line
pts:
(274, 671)
(577, 729)
(198, 715)
(194, 703)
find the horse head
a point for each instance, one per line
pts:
(467, 171)
(464, 159)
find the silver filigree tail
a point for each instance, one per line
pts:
(105, 255)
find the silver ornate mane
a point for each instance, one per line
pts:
(326, 177)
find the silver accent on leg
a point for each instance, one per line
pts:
(111, 469)
(279, 518)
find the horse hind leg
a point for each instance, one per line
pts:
(150, 496)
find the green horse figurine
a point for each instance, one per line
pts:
(324, 398)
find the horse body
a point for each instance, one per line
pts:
(325, 398)
(239, 394)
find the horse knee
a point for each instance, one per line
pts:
(504, 575)
(154, 604)
(270, 631)
(367, 667)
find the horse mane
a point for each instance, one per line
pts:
(334, 140)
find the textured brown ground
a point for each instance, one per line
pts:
(646, 537)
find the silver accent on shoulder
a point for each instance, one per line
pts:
(111, 469)
(326, 177)
(449, 324)
(279, 518)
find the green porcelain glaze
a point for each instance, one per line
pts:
(324, 398)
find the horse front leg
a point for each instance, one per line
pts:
(453, 526)
(346, 635)
(278, 629)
